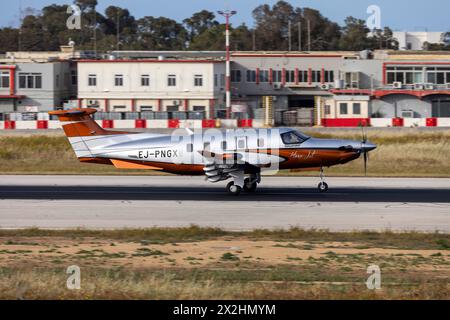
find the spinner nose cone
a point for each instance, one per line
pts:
(368, 146)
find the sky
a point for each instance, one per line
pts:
(400, 15)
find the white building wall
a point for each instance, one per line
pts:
(416, 40)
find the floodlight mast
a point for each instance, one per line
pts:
(228, 14)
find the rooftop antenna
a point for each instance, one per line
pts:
(118, 30)
(228, 14)
(290, 35)
(299, 36)
(20, 26)
(95, 32)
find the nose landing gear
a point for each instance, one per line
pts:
(323, 186)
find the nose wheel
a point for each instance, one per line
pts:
(323, 186)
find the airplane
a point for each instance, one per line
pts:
(241, 155)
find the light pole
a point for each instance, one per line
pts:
(228, 14)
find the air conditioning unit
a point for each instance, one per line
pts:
(93, 103)
(407, 114)
(325, 86)
(429, 86)
(397, 85)
(418, 86)
(277, 86)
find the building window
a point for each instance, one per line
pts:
(74, 77)
(357, 108)
(30, 80)
(251, 76)
(146, 108)
(236, 76)
(316, 76)
(303, 76)
(171, 80)
(118, 80)
(198, 80)
(145, 80)
(343, 108)
(329, 76)
(4, 79)
(216, 80)
(263, 76)
(224, 145)
(276, 76)
(57, 80)
(327, 109)
(290, 76)
(222, 80)
(260, 142)
(92, 80)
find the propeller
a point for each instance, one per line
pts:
(363, 149)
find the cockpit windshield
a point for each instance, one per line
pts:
(294, 137)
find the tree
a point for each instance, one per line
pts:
(242, 38)
(384, 39)
(199, 23)
(118, 19)
(32, 34)
(271, 25)
(9, 40)
(161, 34)
(53, 19)
(355, 36)
(272, 28)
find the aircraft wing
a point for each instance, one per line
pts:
(219, 166)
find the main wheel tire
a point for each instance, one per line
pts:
(323, 187)
(248, 186)
(233, 189)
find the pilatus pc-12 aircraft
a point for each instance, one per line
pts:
(240, 154)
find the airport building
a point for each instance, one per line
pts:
(37, 81)
(168, 88)
(381, 88)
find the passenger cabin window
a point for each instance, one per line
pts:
(293, 137)
(190, 147)
(260, 142)
(224, 145)
(207, 146)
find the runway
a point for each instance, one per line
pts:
(280, 202)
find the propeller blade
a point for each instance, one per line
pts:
(366, 158)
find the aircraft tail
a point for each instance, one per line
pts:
(78, 126)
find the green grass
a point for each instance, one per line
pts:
(193, 284)
(412, 152)
(362, 239)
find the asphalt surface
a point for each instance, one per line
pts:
(117, 202)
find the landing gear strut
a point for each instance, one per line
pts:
(240, 183)
(323, 186)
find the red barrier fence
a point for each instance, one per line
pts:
(347, 122)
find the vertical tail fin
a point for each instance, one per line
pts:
(78, 125)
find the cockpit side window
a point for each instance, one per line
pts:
(293, 137)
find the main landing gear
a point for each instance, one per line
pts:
(240, 183)
(323, 186)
